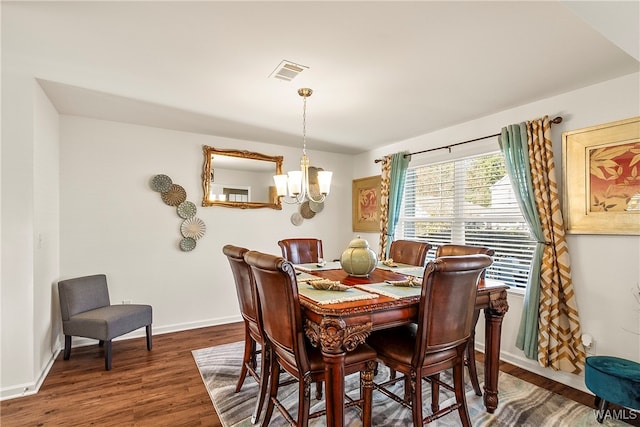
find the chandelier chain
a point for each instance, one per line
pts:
(304, 125)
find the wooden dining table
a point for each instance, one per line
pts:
(339, 327)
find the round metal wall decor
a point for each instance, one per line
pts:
(186, 210)
(306, 211)
(174, 196)
(161, 183)
(193, 227)
(296, 219)
(316, 206)
(187, 244)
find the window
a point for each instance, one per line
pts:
(469, 201)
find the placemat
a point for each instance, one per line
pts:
(391, 291)
(333, 297)
(410, 271)
(312, 266)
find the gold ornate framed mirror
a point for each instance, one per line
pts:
(239, 179)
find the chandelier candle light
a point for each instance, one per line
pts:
(295, 184)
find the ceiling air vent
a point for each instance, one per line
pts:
(287, 70)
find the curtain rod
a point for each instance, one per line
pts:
(448, 147)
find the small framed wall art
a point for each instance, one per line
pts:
(602, 178)
(366, 204)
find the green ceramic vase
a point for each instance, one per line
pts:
(358, 259)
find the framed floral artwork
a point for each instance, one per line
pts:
(602, 178)
(366, 204)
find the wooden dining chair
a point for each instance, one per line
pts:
(438, 342)
(301, 250)
(288, 348)
(253, 332)
(470, 358)
(409, 252)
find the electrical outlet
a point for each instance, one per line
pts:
(126, 301)
(589, 344)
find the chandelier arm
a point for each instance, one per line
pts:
(294, 201)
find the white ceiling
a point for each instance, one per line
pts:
(381, 71)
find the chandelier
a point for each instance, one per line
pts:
(294, 186)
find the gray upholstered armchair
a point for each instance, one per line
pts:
(87, 312)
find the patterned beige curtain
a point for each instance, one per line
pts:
(384, 205)
(559, 336)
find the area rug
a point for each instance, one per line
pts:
(521, 403)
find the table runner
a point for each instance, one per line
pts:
(333, 297)
(391, 291)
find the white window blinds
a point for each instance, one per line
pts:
(469, 201)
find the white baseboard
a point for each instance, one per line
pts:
(23, 390)
(28, 389)
(519, 360)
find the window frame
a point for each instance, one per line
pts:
(517, 268)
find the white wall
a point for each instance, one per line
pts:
(30, 235)
(604, 268)
(113, 223)
(17, 232)
(46, 227)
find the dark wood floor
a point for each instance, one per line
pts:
(157, 388)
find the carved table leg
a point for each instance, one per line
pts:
(334, 374)
(335, 338)
(493, 325)
(332, 334)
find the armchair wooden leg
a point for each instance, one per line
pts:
(319, 390)
(366, 391)
(407, 388)
(435, 393)
(107, 355)
(249, 350)
(471, 364)
(149, 339)
(265, 363)
(304, 401)
(67, 347)
(416, 399)
(458, 385)
(470, 356)
(274, 376)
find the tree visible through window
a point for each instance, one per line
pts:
(469, 201)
